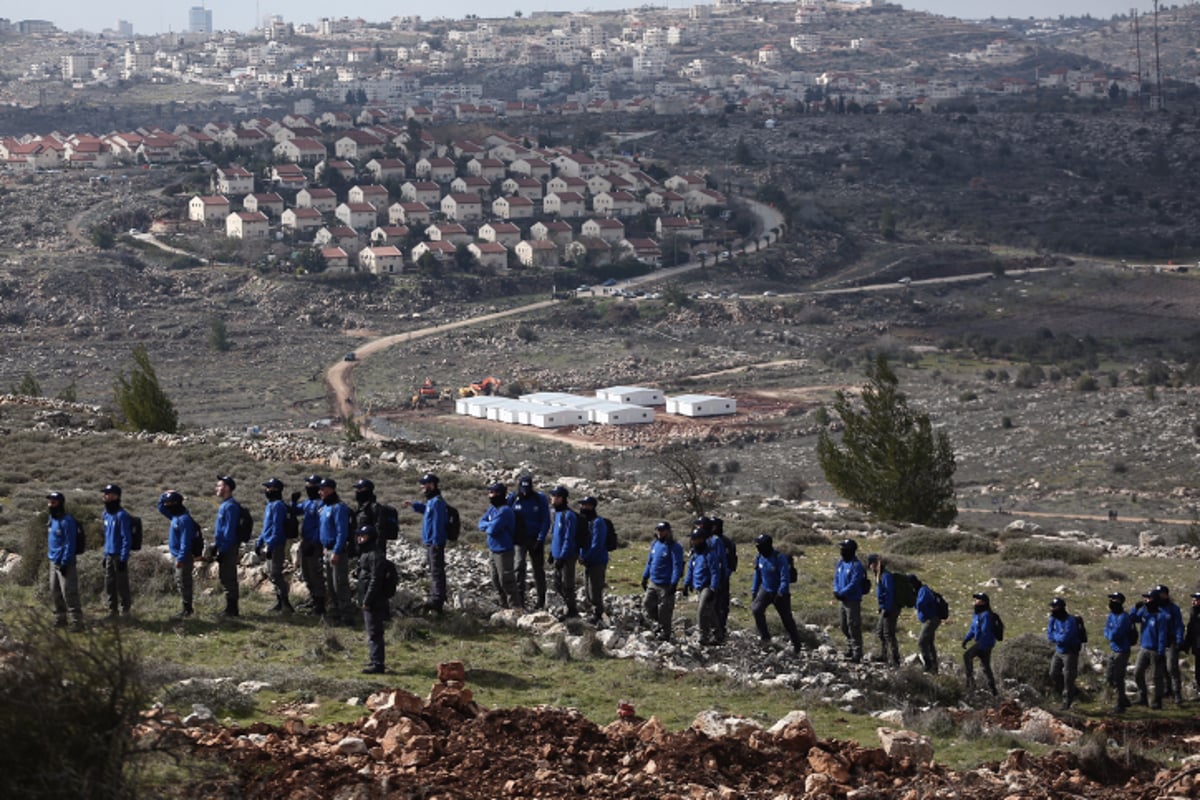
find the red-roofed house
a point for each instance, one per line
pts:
(381, 259)
(207, 209)
(247, 225)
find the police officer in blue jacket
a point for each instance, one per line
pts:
(225, 544)
(982, 639)
(1155, 624)
(272, 543)
(1120, 632)
(849, 582)
(929, 615)
(704, 573)
(309, 511)
(1062, 630)
(433, 537)
(335, 541)
(499, 522)
(889, 609)
(771, 587)
(593, 556)
(564, 547)
(118, 538)
(533, 508)
(182, 534)
(62, 542)
(660, 579)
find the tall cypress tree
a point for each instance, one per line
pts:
(889, 462)
(143, 402)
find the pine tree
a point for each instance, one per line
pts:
(890, 462)
(145, 406)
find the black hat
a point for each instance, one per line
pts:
(56, 496)
(588, 501)
(764, 538)
(172, 498)
(1162, 589)
(702, 522)
(1196, 595)
(1150, 594)
(560, 491)
(663, 526)
(982, 596)
(228, 481)
(428, 477)
(328, 483)
(365, 484)
(273, 485)
(1120, 598)
(111, 488)
(1058, 602)
(848, 544)
(497, 488)
(525, 482)
(367, 531)
(697, 533)
(313, 480)
(871, 559)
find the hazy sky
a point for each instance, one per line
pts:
(240, 14)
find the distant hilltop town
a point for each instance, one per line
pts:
(704, 59)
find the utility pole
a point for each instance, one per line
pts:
(1137, 43)
(1157, 100)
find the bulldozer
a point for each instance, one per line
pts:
(481, 388)
(428, 392)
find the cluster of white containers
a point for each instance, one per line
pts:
(615, 405)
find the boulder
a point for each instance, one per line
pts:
(794, 733)
(829, 764)
(714, 724)
(905, 744)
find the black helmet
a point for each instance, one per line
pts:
(663, 526)
(56, 496)
(364, 485)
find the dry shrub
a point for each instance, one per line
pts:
(1041, 550)
(927, 541)
(1049, 568)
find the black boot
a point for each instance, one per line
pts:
(287, 606)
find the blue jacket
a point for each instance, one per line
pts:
(535, 510)
(335, 526)
(1156, 628)
(1064, 633)
(664, 565)
(500, 525)
(1119, 631)
(885, 592)
(770, 574)
(594, 541)
(847, 580)
(273, 534)
(704, 571)
(118, 534)
(62, 538)
(310, 519)
(225, 531)
(183, 531)
(926, 604)
(982, 630)
(564, 541)
(433, 523)
(717, 546)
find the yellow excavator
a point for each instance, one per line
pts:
(481, 388)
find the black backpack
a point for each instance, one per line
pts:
(198, 543)
(135, 532)
(997, 626)
(453, 523)
(80, 536)
(387, 521)
(1082, 629)
(291, 524)
(245, 524)
(389, 579)
(905, 590)
(941, 607)
(731, 559)
(610, 535)
(793, 573)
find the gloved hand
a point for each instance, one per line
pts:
(686, 590)
(674, 589)
(645, 584)
(837, 596)
(964, 644)
(122, 566)
(295, 498)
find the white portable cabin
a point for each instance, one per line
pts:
(516, 412)
(502, 406)
(635, 395)
(609, 413)
(556, 417)
(551, 398)
(475, 406)
(701, 405)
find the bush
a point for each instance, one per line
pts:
(1040, 550)
(1026, 658)
(220, 695)
(1086, 383)
(68, 704)
(927, 541)
(1032, 569)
